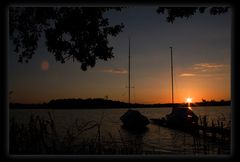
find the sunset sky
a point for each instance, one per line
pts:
(201, 56)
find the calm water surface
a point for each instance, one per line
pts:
(156, 138)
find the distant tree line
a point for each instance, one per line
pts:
(105, 103)
(213, 103)
(87, 103)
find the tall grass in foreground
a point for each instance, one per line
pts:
(40, 136)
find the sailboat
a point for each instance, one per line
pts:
(182, 118)
(133, 119)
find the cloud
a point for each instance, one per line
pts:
(187, 75)
(203, 70)
(115, 71)
(208, 67)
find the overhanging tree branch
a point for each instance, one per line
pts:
(80, 32)
(187, 12)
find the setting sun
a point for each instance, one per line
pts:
(189, 100)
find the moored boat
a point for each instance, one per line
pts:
(182, 118)
(133, 119)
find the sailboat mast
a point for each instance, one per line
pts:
(129, 71)
(172, 77)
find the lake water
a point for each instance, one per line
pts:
(156, 138)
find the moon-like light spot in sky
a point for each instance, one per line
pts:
(44, 65)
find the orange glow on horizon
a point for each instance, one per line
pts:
(149, 94)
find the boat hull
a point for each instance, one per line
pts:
(134, 119)
(180, 118)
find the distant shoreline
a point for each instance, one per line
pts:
(105, 104)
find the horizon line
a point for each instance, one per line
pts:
(206, 101)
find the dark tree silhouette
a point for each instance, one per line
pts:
(79, 33)
(187, 12)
